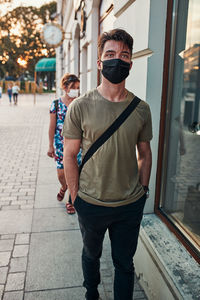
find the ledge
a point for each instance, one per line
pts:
(169, 254)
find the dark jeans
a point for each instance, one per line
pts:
(123, 224)
(15, 96)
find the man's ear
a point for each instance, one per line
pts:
(99, 63)
(131, 64)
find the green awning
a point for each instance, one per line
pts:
(46, 65)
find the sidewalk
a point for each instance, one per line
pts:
(40, 245)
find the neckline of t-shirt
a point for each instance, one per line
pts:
(127, 100)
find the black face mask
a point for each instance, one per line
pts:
(115, 70)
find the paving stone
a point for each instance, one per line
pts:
(18, 202)
(46, 250)
(51, 219)
(2, 202)
(3, 274)
(13, 295)
(6, 245)
(75, 293)
(20, 250)
(4, 258)
(18, 264)
(26, 190)
(26, 198)
(3, 195)
(1, 290)
(27, 206)
(7, 236)
(22, 238)
(10, 207)
(15, 221)
(46, 196)
(11, 198)
(18, 194)
(30, 193)
(7, 188)
(15, 282)
(30, 202)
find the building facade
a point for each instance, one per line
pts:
(166, 74)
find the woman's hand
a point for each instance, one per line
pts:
(51, 152)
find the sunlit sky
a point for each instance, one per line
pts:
(15, 3)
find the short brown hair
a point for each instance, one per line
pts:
(115, 35)
(67, 79)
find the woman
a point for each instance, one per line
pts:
(70, 85)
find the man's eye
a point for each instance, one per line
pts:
(109, 55)
(125, 56)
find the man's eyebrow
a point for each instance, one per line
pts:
(126, 52)
(110, 51)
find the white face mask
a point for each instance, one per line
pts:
(73, 93)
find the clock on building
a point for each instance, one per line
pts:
(53, 34)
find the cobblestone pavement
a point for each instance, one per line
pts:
(40, 244)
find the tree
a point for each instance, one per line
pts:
(20, 39)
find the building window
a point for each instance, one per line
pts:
(179, 197)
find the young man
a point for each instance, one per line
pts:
(111, 191)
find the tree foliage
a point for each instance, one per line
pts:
(5, 1)
(20, 38)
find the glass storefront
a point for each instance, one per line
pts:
(181, 161)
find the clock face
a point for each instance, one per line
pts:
(53, 34)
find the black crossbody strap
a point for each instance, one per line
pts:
(107, 134)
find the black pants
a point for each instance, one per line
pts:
(123, 224)
(15, 96)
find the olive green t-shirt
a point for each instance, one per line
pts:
(110, 177)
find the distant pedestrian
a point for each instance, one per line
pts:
(9, 91)
(0, 92)
(70, 85)
(15, 92)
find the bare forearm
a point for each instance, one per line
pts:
(144, 166)
(71, 174)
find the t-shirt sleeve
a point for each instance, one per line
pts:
(72, 124)
(146, 134)
(52, 108)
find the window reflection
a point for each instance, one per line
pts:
(182, 181)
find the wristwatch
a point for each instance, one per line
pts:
(146, 189)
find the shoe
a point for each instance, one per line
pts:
(61, 194)
(70, 208)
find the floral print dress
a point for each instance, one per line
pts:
(58, 138)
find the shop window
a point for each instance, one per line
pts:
(179, 198)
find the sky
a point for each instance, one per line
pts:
(16, 3)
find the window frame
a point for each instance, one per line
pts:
(167, 89)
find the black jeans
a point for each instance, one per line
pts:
(15, 96)
(123, 224)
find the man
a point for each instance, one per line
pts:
(111, 191)
(15, 91)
